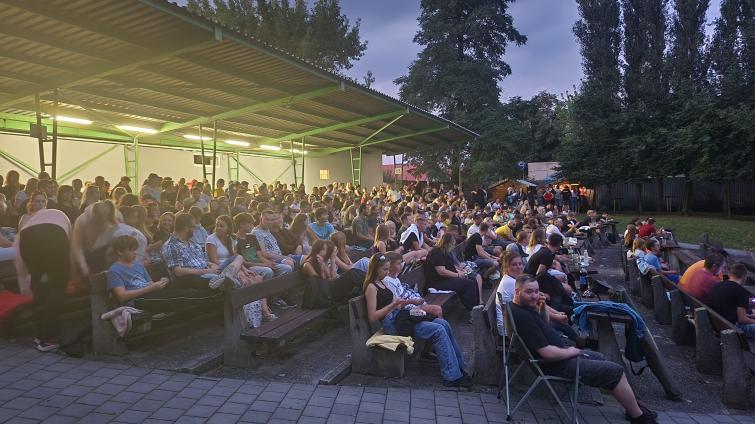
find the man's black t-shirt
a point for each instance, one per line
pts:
(437, 257)
(533, 330)
(726, 296)
(470, 249)
(544, 256)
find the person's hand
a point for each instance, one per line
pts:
(415, 301)
(561, 318)
(159, 284)
(574, 351)
(213, 267)
(289, 262)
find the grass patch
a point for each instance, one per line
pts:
(734, 234)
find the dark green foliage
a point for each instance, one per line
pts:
(321, 34)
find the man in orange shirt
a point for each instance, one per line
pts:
(701, 276)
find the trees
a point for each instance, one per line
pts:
(458, 71)
(320, 35)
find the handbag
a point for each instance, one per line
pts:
(405, 322)
(316, 294)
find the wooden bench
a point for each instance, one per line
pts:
(106, 341)
(240, 343)
(378, 361)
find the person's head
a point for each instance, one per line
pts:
(339, 240)
(377, 270)
(512, 264)
(737, 272)
(223, 226)
(125, 248)
(526, 291)
(391, 228)
(321, 215)
(537, 237)
(196, 212)
(12, 178)
(267, 219)
(555, 241)
(141, 217)
(220, 183)
(299, 224)
(48, 186)
(165, 224)
(397, 262)
(382, 233)
(523, 236)
(652, 245)
(196, 192)
(244, 222)
(184, 225)
(650, 221)
(638, 244)
(129, 215)
(421, 221)
(447, 242)
(37, 202)
(118, 192)
(362, 210)
(484, 227)
(320, 248)
(31, 185)
(591, 214)
(714, 263)
(128, 199)
(77, 185)
(103, 213)
(477, 218)
(65, 195)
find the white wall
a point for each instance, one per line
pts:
(176, 163)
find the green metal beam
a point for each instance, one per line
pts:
(392, 121)
(86, 163)
(334, 127)
(278, 178)
(249, 171)
(19, 163)
(326, 152)
(254, 107)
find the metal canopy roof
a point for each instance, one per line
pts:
(153, 64)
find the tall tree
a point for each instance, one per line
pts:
(687, 62)
(589, 149)
(458, 71)
(321, 34)
(644, 46)
(728, 70)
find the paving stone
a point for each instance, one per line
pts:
(204, 411)
(233, 408)
(179, 403)
(341, 419)
(473, 419)
(76, 390)
(58, 401)
(321, 401)
(113, 407)
(76, 410)
(422, 413)
(316, 411)
(286, 414)
(396, 415)
(132, 397)
(371, 407)
(147, 405)
(221, 418)
(60, 419)
(345, 409)
(142, 387)
(109, 389)
(447, 411)
(310, 420)
(203, 383)
(173, 385)
(132, 416)
(263, 406)
(167, 414)
(22, 403)
(448, 420)
(25, 384)
(278, 387)
(38, 412)
(247, 389)
(399, 405)
(271, 396)
(256, 416)
(94, 399)
(96, 418)
(160, 395)
(293, 403)
(369, 417)
(59, 382)
(93, 381)
(190, 420)
(191, 393)
(212, 400)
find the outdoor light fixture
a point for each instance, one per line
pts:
(196, 137)
(237, 143)
(73, 120)
(137, 129)
(269, 147)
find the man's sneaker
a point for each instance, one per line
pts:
(47, 346)
(465, 381)
(217, 281)
(645, 411)
(642, 419)
(269, 317)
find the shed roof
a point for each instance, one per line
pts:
(153, 64)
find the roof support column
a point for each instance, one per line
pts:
(201, 146)
(355, 154)
(131, 161)
(293, 160)
(233, 169)
(214, 151)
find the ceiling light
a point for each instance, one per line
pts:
(299, 152)
(269, 147)
(137, 129)
(237, 143)
(73, 120)
(196, 137)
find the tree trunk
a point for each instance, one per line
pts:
(638, 193)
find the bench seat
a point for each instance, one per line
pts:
(289, 323)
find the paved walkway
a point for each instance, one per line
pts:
(52, 388)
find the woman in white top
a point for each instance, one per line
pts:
(513, 267)
(220, 245)
(537, 241)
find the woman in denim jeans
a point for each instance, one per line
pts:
(383, 306)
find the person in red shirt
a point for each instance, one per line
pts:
(648, 229)
(701, 276)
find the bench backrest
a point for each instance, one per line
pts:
(490, 316)
(415, 278)
(685, 258)
(267, 288)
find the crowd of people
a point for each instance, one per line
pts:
(170, 242)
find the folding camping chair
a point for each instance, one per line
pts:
(516, 346)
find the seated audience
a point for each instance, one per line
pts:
(269, 248)
(652, 250)
(321, 227)
(474, 251)
(321, 264)
(702, 276)
(732, 301)
(360, 228)
(384, 306)
(561, 361)
(185, 259)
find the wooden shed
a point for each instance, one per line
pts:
(499, 190)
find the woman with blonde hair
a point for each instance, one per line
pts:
(537, 241)
(343, 262)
